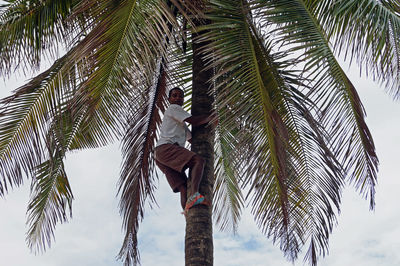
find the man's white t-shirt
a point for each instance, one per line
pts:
(173, 128)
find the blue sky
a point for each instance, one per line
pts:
(93, 236)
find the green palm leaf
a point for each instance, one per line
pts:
(253, 104)
(31, 29)
(228, 199)
(145, 34)
(137, 178)
(124, 46)
(342, 112)
(285, 155)
(46, 111)
(368, 31)
(50, 193)
(24, 123)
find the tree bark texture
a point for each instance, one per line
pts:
(199, 239)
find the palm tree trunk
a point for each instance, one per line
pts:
(199, 240)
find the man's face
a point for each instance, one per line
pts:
(176, 97)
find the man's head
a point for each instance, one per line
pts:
(176, 96)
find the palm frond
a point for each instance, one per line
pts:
(38, 128)
(342, 111)
(26, 115)
(228, 199)
(24, 122)
(31, 29)
(50, 191)
(123, 46)
(250, 92)
(143, 117)
(31, 120)
(294, 176)
(51, 195)
(367, 31)
(320, 179)
(137, 174)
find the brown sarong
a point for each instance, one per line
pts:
(172, 159)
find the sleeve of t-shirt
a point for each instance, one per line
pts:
(179, 114)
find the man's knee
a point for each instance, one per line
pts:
(182, 188)
(199, 160)
(196, 160)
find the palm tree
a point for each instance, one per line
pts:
(291, 128)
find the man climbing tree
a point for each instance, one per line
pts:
(173, 158)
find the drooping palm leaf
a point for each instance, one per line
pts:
(24, 123)
(147, 31)
(264, 136)
(51, 197)
(342, 111)
(26, 115)
(37, 141)
(51, 192)
(31, 29)
(228, 199)
(137, 176)
(367, 31)
(311, 178)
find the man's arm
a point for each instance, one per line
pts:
(199, 119)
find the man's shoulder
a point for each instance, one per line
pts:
(175, 107)
(176, 112)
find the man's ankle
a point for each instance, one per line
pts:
(193, 193)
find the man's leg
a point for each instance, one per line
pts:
(183, 190)
(196, 166)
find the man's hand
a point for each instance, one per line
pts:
(202, 119)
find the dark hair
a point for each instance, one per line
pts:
(175, 88)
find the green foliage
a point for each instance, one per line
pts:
(291, 127)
